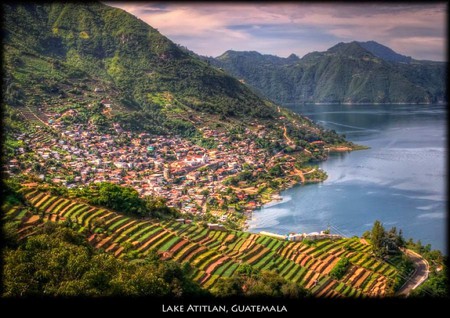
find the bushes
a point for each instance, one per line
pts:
(435, 286)
(340, 268)
(262, 284)
(126, 200)
(61, 263)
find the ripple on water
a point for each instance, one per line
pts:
(400, 180)
(434, 215)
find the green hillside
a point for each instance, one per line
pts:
(68, 57)
(211, 258)
(356, 72)
(56, 48)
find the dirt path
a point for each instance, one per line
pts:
(418, 277)
(289, 140)
(311, 171)
(38, 118)
(302, 174)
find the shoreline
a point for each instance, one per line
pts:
(275, 196)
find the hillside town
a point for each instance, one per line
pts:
(188, 176)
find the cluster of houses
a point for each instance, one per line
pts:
(314, 236)
(187, 175)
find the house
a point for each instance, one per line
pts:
(121, 165)
(217, 227)
(106, 103)
(296, 237)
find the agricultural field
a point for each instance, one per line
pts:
(211, 253)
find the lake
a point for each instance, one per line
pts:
(400, 181)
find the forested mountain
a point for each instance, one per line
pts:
(385, 53)
(356, 72)
(58, 52)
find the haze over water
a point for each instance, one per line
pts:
(400, 181)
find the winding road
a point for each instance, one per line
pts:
(418, 277)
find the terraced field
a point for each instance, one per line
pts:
(214, 254)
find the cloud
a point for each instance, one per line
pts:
(429, 47)
(281, 29)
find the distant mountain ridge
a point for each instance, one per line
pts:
(355, 72)
(385, 53)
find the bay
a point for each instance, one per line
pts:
(400, 180)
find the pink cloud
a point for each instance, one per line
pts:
(208, 28)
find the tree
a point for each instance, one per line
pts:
(400, 241)
(378, 238)
(246, 270)
(10, 235)
(269, 283)
(126, 200)
(60, 262)
(228, 286)
(276, 171)
(234, 198)
(435, 286)
(392, 240)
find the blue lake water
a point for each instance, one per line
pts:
(400, 181)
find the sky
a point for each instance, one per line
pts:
(413, 29)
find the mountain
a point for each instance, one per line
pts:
(67, 57)
(100, 79)
(356, 72)
(62, 59)
(384, 53)
(54, 49)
